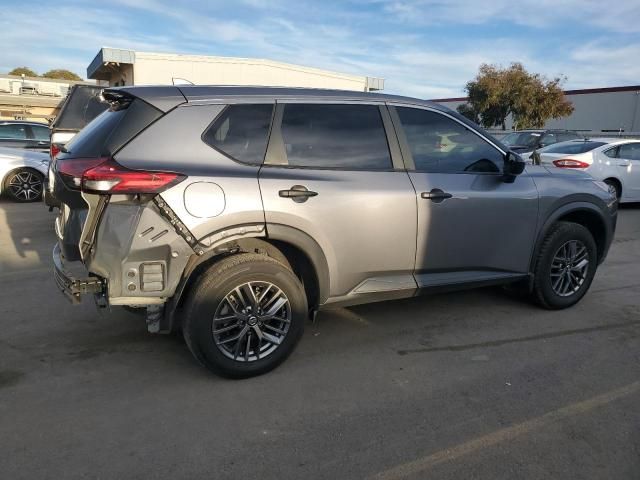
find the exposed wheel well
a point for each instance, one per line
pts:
(592, 222)
(287, 254)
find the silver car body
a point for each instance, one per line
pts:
(603, 167)
(366, 236)
(12, 159)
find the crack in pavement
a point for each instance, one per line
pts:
(531, 338)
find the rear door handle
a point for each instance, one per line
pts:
(436, 195)
(298, 193)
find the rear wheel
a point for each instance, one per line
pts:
(565, 266)
(245, 315)
(614, 187)
(24, 185)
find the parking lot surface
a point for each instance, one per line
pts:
(462, 385)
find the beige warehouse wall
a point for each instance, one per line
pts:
(150, 69)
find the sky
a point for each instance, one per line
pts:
(423, 48)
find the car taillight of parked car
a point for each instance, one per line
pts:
(54, 150)
(106, 176)
(570, 163)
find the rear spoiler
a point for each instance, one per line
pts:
(164, 98)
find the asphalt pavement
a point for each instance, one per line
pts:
(472, 385)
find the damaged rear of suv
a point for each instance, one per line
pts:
(235, 213)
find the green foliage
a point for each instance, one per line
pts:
(61, 74)
(530, 98)
(23, 70)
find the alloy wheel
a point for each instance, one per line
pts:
(569, 268)
(251, 321)
(25, 186)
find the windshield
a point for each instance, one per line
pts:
(574, 147)
(523, 139)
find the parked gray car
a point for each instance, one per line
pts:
(235, 213)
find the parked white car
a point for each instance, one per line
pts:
(614, 161)
(23, 173)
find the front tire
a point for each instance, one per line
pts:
(245, 316)
(24, 185)
(565, 266)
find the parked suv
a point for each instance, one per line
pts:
(526, 141)
(235, 213)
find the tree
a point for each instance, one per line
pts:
(26, 71)
(467, 110)
(530, 98)
(61, 74)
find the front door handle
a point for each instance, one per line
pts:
(436, 195)
(297, 193)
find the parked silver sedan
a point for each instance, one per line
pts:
(23, 173)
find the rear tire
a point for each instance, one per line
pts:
(24, 185)
(565, 266)
(615, 187)
(245, 315)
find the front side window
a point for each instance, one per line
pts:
(242, 132)
(335, 136)
(439, 144)
(13, 132)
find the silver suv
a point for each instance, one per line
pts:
(235, 213)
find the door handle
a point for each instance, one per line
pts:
(297, 193)
(436, 195)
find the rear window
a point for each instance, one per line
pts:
(111, 130)
(572, 147)
(241, 132)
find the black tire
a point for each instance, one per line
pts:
(15, 181)
(615, 186)
(211, 294)
(561, 234)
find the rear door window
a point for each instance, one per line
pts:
(337, 136)
(13, 131)
(241, 132)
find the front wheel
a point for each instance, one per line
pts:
(565, 266)
(245, 316)
(25, 185)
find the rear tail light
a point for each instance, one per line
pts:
(106, 176)
(53, 151)
(570, 163)
(111, 177)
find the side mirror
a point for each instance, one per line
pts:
(513, 166)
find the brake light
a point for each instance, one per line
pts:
(53, 151)
(111, 177)
(71, 170)
(570, 163)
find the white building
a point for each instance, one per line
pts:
(125, 67)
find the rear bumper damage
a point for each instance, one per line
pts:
(73, 288)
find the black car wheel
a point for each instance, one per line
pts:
(24, 185)
(565, 266)
(245, 315)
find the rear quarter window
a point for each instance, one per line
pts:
(241, 132)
